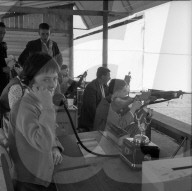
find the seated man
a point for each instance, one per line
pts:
(93, 93)
(109, 110)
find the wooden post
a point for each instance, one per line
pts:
(105, 34)
(71, 70)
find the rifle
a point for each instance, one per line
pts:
(71, 91)
(164, 95)
(161, 94)
(152, 96)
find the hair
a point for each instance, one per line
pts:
(64, 66)
(116, 85)
(50, 67)
(2, 25)
(102, 71)
(44, 26)
(38, 63)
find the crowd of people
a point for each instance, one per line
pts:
(28, 115)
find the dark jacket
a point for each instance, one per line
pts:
(34, 46)
(91, 99)
(4, 78)
(101, 114)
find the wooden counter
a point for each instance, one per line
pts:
(167, 175)
(78, 172)
(63, 121)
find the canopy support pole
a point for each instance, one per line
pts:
(105, 34)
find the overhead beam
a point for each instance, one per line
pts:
(31, 10)
(111, 27)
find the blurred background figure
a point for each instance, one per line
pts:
(4, 69)
(64, 79)
(43, 44)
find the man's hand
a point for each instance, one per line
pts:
(144, 96)
(57, 157)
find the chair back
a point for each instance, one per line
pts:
(6, 166)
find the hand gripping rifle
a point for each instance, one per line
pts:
(71, 91)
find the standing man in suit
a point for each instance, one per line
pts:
(93, 93)
(43, 44)
(4, 69)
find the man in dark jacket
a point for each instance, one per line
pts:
(4, 70)
(93, 93)
(43, 44)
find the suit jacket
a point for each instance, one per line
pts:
(35, 46)
(91, 98)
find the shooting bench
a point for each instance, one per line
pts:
(178, 130)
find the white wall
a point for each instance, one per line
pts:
(160, 60)
(167, 62)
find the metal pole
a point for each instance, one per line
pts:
(105, 34)
(143, 50)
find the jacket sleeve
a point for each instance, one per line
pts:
(3, 55)
(101, 116)
(2, 64)
(24, 55)
(90, 101)
(39, 131)
(57, 55)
